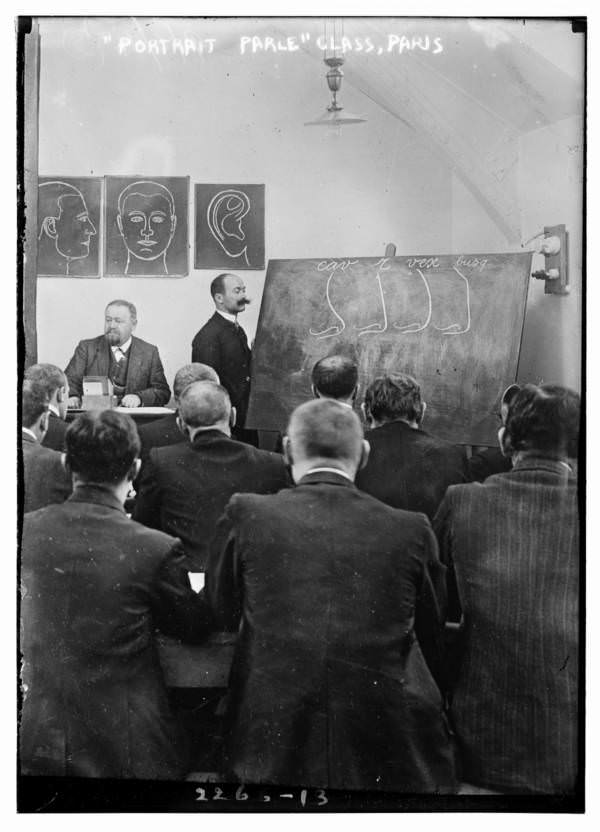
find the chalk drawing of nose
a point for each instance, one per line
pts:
(224, 216)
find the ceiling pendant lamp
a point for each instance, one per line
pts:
(334, 116)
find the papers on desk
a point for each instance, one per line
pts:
(196, 580)
(144, 411)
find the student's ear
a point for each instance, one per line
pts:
(287, 451)
(135, 469)
(64, 463)
(182, 426)
(504, 442)
(232, 418)
(509, 394)
(423, 409)
(44, 419)
(366, 413)
(364, 454)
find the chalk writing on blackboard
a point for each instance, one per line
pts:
(456, 329)
(224, 217)
(374, 289)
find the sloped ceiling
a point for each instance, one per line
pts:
(471, 94)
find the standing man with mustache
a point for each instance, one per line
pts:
(223, 345)
(133, 365)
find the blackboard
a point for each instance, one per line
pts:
(454, 322)
(230, 227)
(147, 226)
(69, 210)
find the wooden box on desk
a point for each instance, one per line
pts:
(97, 393)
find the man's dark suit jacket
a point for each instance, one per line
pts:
(94, 587)
(45, 481)
(410, 469)
(55, 435)
(159, 433)
(514, 544)
(184, 488)
(224, 347)
(329, 685)
(145, 374)
(482, 464)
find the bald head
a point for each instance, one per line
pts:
(335, 377)
(190, 373)
(204, 405)
(324, 432)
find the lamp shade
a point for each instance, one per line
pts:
(335, 118)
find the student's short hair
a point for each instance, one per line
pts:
(395, 396)
(126, 303)
(543, 418)
(335, 376)
(34, 402)
(204, 403)
(48, 376)
(325, 429)
(190, 373)
(102, 445)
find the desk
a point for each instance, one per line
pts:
(204, 665)
(138, 414)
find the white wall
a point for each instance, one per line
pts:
(223, 119)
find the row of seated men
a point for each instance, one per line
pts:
(342, 675)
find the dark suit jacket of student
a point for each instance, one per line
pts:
(95, 585)
(158, 433)
(513, 542)
(410, 469)
(45, 481)
(184, 488)
(145, 374)
(329, 685)
(224, 347)
(55, 435)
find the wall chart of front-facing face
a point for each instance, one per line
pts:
(146, 226)
(69, 211)
(230, 227)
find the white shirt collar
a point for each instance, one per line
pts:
(124, 347)
(329, 471)
(30, 433)
(54, 410)
(227, 316)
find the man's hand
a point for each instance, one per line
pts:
(74, 401)
(131, 400)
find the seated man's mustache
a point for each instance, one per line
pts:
(245, 301)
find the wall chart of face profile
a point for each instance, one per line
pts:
(147, 226)
(230, 227)
(454, 322)
(69, 212)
